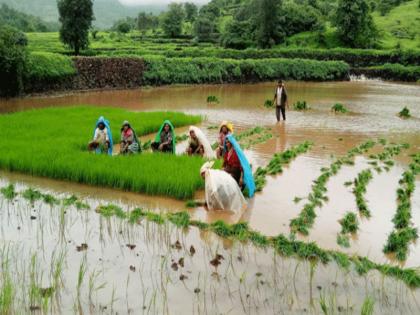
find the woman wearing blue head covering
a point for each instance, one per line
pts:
(236, 164)
(102, 137)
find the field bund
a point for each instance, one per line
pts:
(52, 143)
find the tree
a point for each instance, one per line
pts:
(76, 18)
(172, 20)
(268, 22)
(205, 29)
(238, 35)
(12, 60)
(191, 11)
(355, 26)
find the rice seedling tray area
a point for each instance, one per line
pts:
(52, 142)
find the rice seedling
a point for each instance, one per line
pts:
(317, 197)
(403, 233)
(191, 204)
(9, 192)
(241, 231)
(404, 113)
(213, 99)
(339, 108)
(268, 104)
(300, 106)
(180, 138)
(359, 190)
(50, 200)
(31, 195)
(349, 224)
(59, 151)
(367, 306)
(343, 240)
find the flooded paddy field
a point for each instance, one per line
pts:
(117, 279)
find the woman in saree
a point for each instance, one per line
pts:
(129, 142)
(165, 138)
(225, 129)
(102, 137)
(236, 164)
(198, 144)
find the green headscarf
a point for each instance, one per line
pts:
(157, 138)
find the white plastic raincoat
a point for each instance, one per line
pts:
(222, 191)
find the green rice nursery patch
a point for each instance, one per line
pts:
(52, 143)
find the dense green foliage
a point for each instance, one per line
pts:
(76, 18)
(172, 20)
(24, 22)
(354, 23)
(60, 152)
(12, 61)
(160, 70)
(48, 67)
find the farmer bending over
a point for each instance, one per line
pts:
(102, 137)
(129, 141)
(236, 164)
(222, 192)
(165, 138)
(198, 144)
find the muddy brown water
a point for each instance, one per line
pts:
(373, 107)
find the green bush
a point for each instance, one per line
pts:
(12, 61)
(160, 70)
(59, 151)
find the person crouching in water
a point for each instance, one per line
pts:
(221, 190)
(165, 138)
(129, 142)
(225, 129)
(198, 144)
(236, 164)
(102, 137)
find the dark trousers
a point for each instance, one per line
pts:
(281, 110)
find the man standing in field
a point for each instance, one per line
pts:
(280, 100)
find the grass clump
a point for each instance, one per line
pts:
(339, 108)
(300, 106)
(404, 233)
(404, 113)
(63, 133)
(306, 218)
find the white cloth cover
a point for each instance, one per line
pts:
(208, 151)
(222, 191)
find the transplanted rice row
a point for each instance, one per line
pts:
(404, 233)
(59, 151)
(318, 196)
(287, 247)
(275, 166)
(365, 176)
